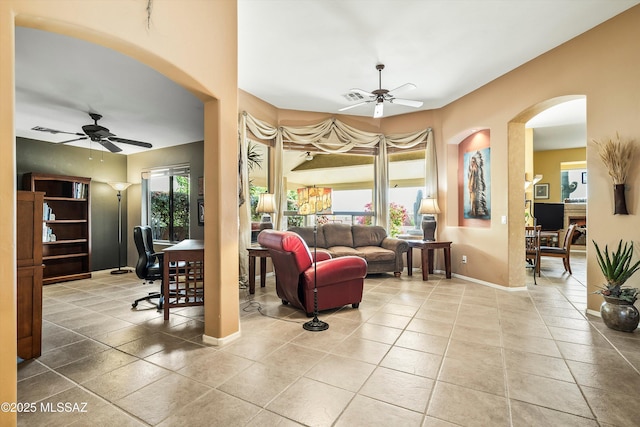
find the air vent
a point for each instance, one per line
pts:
(353, 96)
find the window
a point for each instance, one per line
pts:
(167, 191)
(406, 189)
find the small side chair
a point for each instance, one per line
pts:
(564, 252)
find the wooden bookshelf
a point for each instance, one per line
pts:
(29, 274)
(66, 225)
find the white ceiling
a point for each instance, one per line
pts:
(299, 54)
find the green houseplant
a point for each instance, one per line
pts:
(618, 311)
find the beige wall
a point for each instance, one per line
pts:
(187, 41)
(548, 162)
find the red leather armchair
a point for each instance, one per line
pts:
(340, 280)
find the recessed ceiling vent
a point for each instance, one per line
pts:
(353, 96)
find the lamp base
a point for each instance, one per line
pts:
(120, 271)
(316, 325)
(429, 227)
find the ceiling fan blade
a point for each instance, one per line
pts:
(131, 142)
(109, 146)
(71, 140)
(407, 102)
(362, 92)
(377, 112)
(348, 107)
(54, 131)
(403, 88)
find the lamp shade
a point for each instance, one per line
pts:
(314, 200)
(429, 206)
(266, 203)
(119, 186)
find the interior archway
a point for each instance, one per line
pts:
(517, 153)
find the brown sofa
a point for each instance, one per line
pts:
(383, 254)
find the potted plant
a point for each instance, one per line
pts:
(617, 310)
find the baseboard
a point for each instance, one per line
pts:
(220, 341)
(593, 312)
(489, 284)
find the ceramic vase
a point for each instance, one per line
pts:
(620, 203)
(619, 315)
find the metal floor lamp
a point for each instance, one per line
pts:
(120, 187)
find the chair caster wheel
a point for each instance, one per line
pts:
(285, 302)
(134, 305)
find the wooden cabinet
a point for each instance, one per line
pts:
(65, 225)
(29, 275)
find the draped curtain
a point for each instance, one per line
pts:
(331, 136)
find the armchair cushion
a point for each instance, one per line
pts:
(340, 281)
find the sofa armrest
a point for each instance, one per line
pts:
(335, 270)
(399, 246)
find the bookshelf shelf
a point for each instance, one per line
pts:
(66, 225)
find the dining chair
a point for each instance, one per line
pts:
(532, 246)
(564, 252)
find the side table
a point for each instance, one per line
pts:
(263, 254)
(427, 248)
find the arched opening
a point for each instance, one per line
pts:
(521, 170)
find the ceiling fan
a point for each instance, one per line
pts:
(96, 133)
(380, 95)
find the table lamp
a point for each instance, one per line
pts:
(266, 206)
(428, 208)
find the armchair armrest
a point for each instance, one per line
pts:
(335, 270)
(320, 255)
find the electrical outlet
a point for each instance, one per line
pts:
(464, 259)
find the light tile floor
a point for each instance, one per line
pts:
(436, 353)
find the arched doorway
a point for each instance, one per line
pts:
(520, 155)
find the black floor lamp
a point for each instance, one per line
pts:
(315, 201)
(120, 187)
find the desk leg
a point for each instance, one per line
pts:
(410, 262)
(447, 261)
(252, 274)
(425, 264)
(263, 272)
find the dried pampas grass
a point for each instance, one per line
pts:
(617, 155)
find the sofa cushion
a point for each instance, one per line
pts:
(338, 251)
(307, 235)
(368, 235)
(376, 254)
(337, 235)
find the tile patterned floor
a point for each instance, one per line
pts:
(436, 353)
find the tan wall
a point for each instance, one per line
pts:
(186, 41)
(548, 162)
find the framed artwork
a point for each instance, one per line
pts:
(201, 186)
(541, 191)
(200, 211)
(477, 184)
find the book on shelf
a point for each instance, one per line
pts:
(47, 212)
(79, 190)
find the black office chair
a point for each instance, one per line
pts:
(150, 265)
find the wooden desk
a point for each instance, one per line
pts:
(427, 248)
(183, 276)
(263, 254)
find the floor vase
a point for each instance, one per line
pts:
(619, 315)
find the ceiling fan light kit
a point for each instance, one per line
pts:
(380, 95)
(96, 133)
